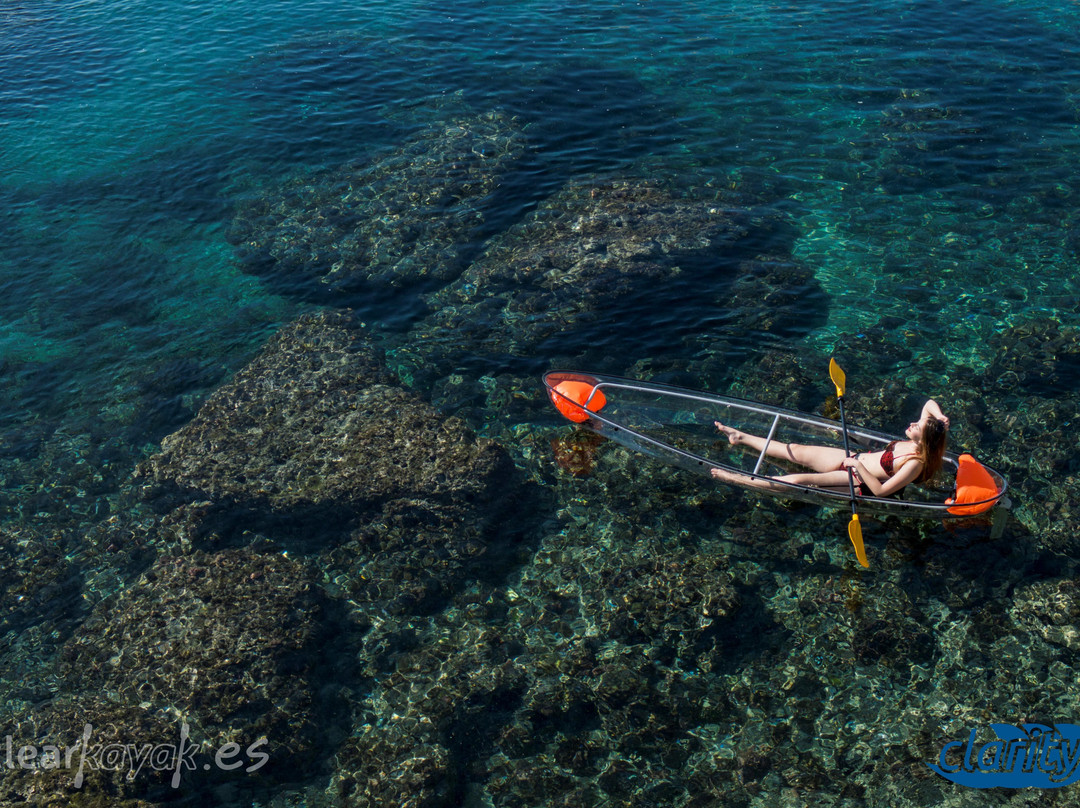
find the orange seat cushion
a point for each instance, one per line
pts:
(567, 396)
(973, 484)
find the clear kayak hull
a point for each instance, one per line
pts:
(676, 425)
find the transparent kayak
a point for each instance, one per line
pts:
(676, 425)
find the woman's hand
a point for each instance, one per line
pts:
(932, 409)
(852, 463)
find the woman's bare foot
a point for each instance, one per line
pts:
(721, 474)
(734, 436)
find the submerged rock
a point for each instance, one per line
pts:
(594, 264)
(38, 581)
(413, 556)
(919, 135)
(1038, 358)
(207, 672)
(408, 218)
(230, 643)
(672, 602)
(316, 427)
(58, 478)
(438, 711)
(1051, 609)
(592, 245)
(69, 736)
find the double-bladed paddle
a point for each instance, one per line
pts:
(854, 528)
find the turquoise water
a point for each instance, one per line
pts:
(924, 158)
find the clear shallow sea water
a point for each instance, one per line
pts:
(926, 154)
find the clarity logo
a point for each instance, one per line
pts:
(1028, 756)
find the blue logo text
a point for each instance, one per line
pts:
(1028, 756)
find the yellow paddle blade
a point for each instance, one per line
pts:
(855, 532)
(838, 377)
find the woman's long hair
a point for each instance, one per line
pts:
(931, 448)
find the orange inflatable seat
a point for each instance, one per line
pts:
(569, 398)
(973, 484)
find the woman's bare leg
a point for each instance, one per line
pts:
(742, 479)
(827, 479)
(818, 458)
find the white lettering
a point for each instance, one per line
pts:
(227, 752)
(26, 756)
(87, 731)
(185, 755)
(251, 753)
(138, 755)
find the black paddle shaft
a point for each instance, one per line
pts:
(847, 452)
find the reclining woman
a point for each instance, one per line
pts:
(878, 474)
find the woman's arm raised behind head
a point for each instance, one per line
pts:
(932, 409)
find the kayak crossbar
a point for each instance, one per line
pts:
(768, 440)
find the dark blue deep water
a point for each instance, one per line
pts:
(917, 165)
